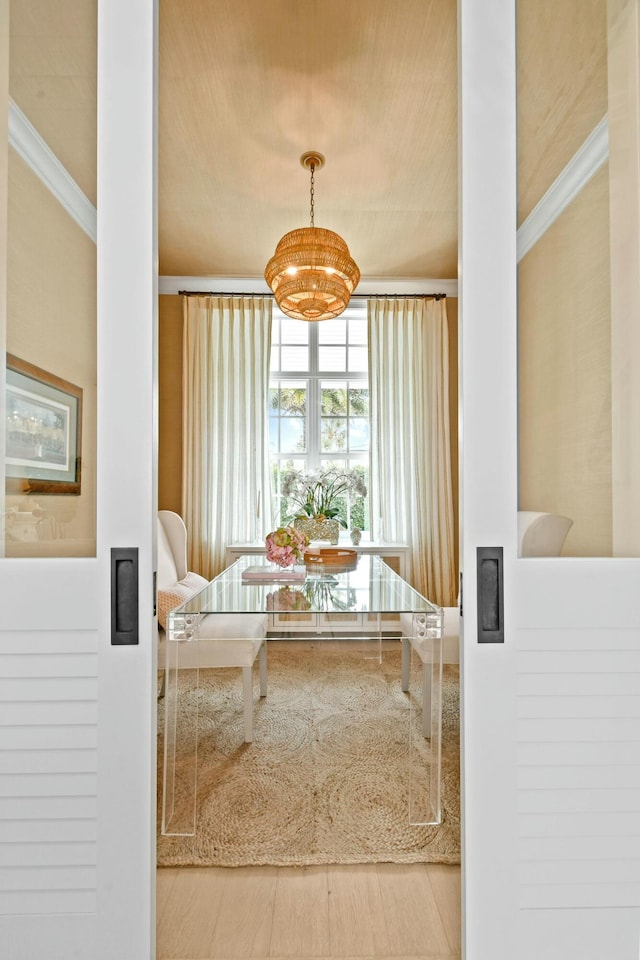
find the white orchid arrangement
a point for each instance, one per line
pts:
(317, 493)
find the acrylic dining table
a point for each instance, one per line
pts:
(363, 601)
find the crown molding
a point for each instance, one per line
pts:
(593, 153)
(170, 286)
(27, 142)
(380, 286)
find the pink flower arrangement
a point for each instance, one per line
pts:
(286, 546)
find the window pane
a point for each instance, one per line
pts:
(356, 511)
(359, 508)
(274, 400)
(280, 467)
(334, 433)
(293, 400)
(359, 401)
(358, 434)
(274, 359)
(292, 331)
(273, 434)
(282, 508)
(295, 358)
(358, 331)
(333, 331)
(332, 358)
(334, 464)
(333, 399)
(358, 359)
(293, 434)
(293, 463)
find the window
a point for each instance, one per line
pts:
(319, 402)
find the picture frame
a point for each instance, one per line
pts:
(43, 431)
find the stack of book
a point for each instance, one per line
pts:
(272, 573)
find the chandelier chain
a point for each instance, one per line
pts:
(312, 167)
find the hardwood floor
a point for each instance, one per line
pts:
(374, 911)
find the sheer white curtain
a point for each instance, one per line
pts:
(411, 493)
(225, 474)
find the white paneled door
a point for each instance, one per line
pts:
(77, 712)
(551, 722)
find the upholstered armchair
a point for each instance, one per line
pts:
(541, 534)
(225, 640)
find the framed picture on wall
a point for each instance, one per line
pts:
(43, 430)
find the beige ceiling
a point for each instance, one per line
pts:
(246, 86)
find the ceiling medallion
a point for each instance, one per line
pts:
(312, 274)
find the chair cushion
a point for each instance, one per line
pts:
(211, 653)
(234, 626)
(225, 640)
(178, 593)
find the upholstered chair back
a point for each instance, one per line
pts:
(541, 534)
(172, 549)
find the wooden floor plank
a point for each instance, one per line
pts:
(165, 880)
(245, 920)
(356, 913)
(187, 923)
(445, 882)
(413, 921)
(301, 913)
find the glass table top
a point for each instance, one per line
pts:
(370, 586)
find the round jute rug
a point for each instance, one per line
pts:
(329, 774)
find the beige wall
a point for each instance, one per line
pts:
(51, 322)
(170, 408)
(624, 187)
(564, 326)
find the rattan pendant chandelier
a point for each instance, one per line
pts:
(312, 274)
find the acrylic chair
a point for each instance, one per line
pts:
(225, 640)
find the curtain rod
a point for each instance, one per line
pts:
(355, 296)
